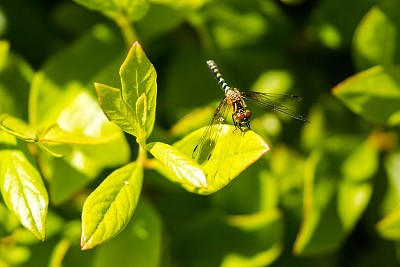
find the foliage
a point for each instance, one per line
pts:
(106, 175)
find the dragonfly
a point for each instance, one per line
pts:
(234, 99)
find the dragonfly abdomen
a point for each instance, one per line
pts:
(214, 69)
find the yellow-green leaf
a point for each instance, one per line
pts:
(234, 151)
(178, 167)
(17, 127)
(107, 211)
(23, 191)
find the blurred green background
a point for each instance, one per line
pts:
(328, 192)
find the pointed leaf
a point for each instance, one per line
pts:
(233, 153)
(115, 108)
(132, 108)
(23, 191)
(17, 127)
(178, 167)
(139, 88)
(373, 94)
(378, 47)
(107, 211)
(389, 226)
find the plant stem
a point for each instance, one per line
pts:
(126, 27)
(142, 155)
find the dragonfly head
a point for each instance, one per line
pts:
(242, 118)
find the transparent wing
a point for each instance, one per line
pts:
(273, 101)
(208, 139)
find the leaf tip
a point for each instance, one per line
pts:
(84, 244)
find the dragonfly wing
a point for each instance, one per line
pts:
(273, 101)
(210, 135)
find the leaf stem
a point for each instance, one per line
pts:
(59, 253)
(127, 29)
(142, 156)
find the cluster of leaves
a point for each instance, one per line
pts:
(313, 195)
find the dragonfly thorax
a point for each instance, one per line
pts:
(241, 116)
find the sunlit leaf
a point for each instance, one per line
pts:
(67, 118)
(373, 94)
(389, 226)
(109, 208)
(115, 108)
(134, 9)
(17, 128)
(378, 47)
(87, 141)
(193, 121)
(23, 191)
(233, 153)
(362, 162)
(179, 167)
(4, 48)
(71, 71)
(392, 194)
(139, 88)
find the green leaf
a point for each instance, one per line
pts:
(17, 127)
(115, 108)
(362, 163)
(233, 153)
(143, 237)
(139, 88)
(392, 166)
(333, 29)
(69, 73)
(133, 9)
(69, 120)
(389, 226)
(264, 230)
(373, 94)
(4, 49)
(107, 211)
(192, 121)
(132, 108)
(87, 141)
(334, 199)
(392, 195)
(160, 20)
(15, 80)
(233, 28)
(186, 5)
(178, 167)
(23, 191)
(376, 38)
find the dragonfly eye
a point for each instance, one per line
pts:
(243, 117)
